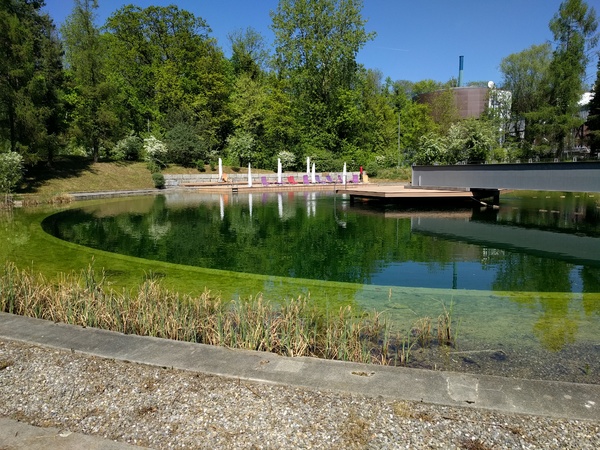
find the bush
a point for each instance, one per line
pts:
(129, 149)
(159, 180)
(200, 166)
(11, 171)
(184, 146)
(155, 152)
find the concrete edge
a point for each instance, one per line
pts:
(506, 395)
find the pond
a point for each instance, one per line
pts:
(539, 243)
(523, 280)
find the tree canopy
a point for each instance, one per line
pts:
(155, 74)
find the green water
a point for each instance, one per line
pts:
(524, 276)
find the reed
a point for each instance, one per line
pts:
(292, 328)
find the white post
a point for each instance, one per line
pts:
(279, 171)
(249, 176)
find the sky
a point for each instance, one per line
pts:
(416, 40)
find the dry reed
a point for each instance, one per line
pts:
(294, 328)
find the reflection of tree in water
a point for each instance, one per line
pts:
(556, 327)
(521, 272)
(591, 285)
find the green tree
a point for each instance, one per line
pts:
(30, 81)
(593, 120)
(471, 140)
(316, 45)
(249, 54)
(163, 59)
(415, 121)
(574, 29)
(525, 75)
(92, 98)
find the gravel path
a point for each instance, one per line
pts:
(167, 408)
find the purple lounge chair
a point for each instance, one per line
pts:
(355, 179)
(305, 179)
(318, 179)
(340, 179)
(264, 181)
(328, 179)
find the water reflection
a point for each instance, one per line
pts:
(548, 243)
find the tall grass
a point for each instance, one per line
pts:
(292, 328)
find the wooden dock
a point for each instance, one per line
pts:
(393, 193)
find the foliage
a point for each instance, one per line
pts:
(241, 147)
(158, 179)
(316, 45)
(129, 149)
(526, 77)
(471, 140)
(91, 98)
(164, 60)
(288, 159)
(249, 55)
(593, 121)
(155, 151)
(11, 171)
(183, 146)
(31, 81)
(432, 150)
(574, 29)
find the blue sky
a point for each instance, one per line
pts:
(416, 40)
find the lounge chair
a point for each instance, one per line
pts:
(328, 179)
(264, 181)
(318, 179)
(355, 179)
(292, 180)
(340, 179)
(305, 179)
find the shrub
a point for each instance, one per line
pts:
(155, 152)
(128, 148)
(184, 146)
(11, 171)
(200, 166)
(159, 180)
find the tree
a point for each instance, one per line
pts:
(92, 98)
(316, 46)
(249, 55)
(30, 81)
(164, 61)
(574, 29)
(593, 120)
(525, 75)
(471, 140)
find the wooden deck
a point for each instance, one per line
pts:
(382, 191)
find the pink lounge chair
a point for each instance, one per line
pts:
(292, 180)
